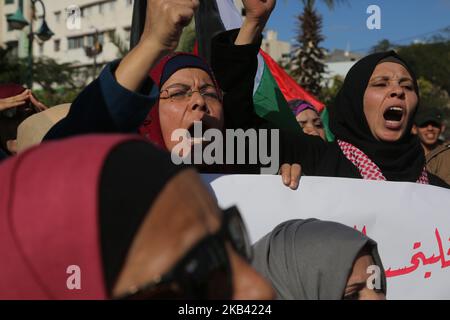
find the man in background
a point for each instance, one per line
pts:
(429, 126)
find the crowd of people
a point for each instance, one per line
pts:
(101, 190)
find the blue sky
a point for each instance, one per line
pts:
(405, 20)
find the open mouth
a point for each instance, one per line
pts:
(197, 135)
(393, 116)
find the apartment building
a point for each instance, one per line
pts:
(76, 25)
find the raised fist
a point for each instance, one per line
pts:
(258, 10)
(165, 21)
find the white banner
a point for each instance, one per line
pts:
(410, 222)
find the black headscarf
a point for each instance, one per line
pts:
(402, 160)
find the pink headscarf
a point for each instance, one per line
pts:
(49, 219)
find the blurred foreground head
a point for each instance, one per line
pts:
(89, 218)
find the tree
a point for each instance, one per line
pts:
(329, 92)
(383, 45)
(432, 95)
(308, 64)
(58, 83)
(11, 69)
(122, 46)
(430, 61)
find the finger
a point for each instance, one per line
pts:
(10, 105)
(23, 96)
(296, 172)
(37, 103)
(19, 97)
(11, 145)
(285, 172)
(183, 16)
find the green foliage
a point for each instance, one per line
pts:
(383, 45)
(11, 69)
(56, 83)
(121, 45)
(430, 61)
(328, 93)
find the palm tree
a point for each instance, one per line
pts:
(308, 64)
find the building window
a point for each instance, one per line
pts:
(41, 48)
(75, 43)
(57, 45)
(111, 35)
(58, 16)
(127, 32)
(9, 1)
(87, 11)
(112, 5)
(9, 27)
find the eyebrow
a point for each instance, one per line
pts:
(403, 79)
(206, 85)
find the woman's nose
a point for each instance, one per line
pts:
(310, 130)
(197, 102)
(397, 91)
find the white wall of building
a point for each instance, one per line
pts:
(275, 48)
(338, 68)
(103, 15)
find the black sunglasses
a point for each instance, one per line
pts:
(205, 270)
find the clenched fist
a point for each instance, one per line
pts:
(165, 21)
(258, 11)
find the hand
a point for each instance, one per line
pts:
(164, 24)
(11, 145)
(258, 11)
(39, 106)
(291, 175)
(15, 101)
(165, 21)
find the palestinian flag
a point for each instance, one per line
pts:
(273, 86)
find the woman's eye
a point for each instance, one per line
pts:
(318, 124)
(379, 84)
(179, 93)
(212, 95)
(352, 296)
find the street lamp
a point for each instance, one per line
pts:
(18, 22)
(92, 51)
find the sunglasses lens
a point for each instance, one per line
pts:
(237, 232)
(207, 272)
